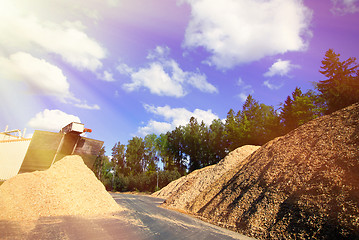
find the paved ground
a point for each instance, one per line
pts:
(143, 219)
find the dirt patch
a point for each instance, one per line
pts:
(304, 185)
(180, 195)
(69, 187)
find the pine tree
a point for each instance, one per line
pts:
(341, 88)
(299, 109)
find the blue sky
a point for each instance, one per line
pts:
(129, 68)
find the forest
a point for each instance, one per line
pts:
(135, 166)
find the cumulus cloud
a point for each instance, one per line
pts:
(281, 68)
(52, 120)
(160, 52)
(124, 69)
(157, 80)
(106, 76)
(23, 31)
(236, 32)
(272, 86)
(84, 105)
(40, 76)
(155, 127)
(173, 117)
(343, 7)
(164, 77)
(245, 90)
(34, 36)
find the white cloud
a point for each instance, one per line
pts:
(52, 120)
(156, 80)
(23, 31)
(84, 105)
(40, 77)
(240, 82)
(240, 31)
(173, 117)
(272, 86)
(245, 90)
(164, 77)
(199, 81)
(106, 76)
(343, 7)
(281, 68)
(160, 52)
(124, 69)
(243, 96)
(155, 127)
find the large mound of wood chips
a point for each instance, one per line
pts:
(304, 185)
(69, 187)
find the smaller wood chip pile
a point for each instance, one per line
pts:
(69, 187)
(181, 193)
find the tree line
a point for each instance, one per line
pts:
(135, 166)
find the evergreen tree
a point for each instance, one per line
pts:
(232, 130)
(259, 123)
(299, 109)
(341, 88)
(217, 141)
(176, 149)
(193, 144)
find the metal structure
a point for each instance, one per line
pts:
(12, 152)
(19, 155)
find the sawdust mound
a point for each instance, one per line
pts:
(69, 187)
(304, 185)
(183, 191)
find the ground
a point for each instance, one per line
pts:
(142, 219)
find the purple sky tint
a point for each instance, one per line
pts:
(127, 68)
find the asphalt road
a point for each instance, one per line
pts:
(142, 219)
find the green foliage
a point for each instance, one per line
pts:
(107, 173)
(150, 152)
(135, 155)
(118, 158)
(341, 88)
(143, 182)
(258, 122)
(233, 131)
(176, 149)
(99, 162)
(299, 109)
(255, 124)
(216, 142)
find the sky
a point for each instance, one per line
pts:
(128, 68)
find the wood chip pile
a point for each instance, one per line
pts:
(304, 185)
(69, 187)
(180, 194)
